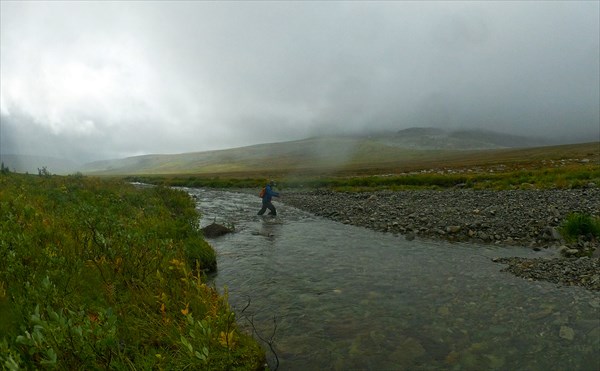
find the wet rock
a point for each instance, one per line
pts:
(408, 351)
(566, 332)
(443, 311)
(453, 228)
(571, 252)
(215, 230)
(541, 314)
(568, 272)
(484, 236)
(551, 234)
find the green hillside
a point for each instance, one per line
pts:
(338, 155)
(303, 154)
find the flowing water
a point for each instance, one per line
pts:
(339, 297)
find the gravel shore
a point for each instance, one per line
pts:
(528, 218)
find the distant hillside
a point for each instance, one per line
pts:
(406, 148)
(31, 164)
(325, 152)
(435, 138)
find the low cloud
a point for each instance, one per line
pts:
(93, 80)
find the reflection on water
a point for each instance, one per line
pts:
(350, 298)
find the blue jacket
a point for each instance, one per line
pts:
(269, 194)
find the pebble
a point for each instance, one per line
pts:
(564, 271)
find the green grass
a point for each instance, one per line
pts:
(567, 177)
(576, 225)
(98, 274)
(340, 157)
(560, 167)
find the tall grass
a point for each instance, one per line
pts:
(100, 274)
(577, 224)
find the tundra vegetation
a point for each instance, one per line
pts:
(578, 224)
(552, 167)
(492, 178)
(97, 274)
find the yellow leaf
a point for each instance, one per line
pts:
(227, 340)
(186, 310)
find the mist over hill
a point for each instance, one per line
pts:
(31, 164)
(461, 139)
(425, 144)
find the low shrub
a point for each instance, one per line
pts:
(567, 177)
(99, 274)
(577, 224)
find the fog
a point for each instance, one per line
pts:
(96, 80)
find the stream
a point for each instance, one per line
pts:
(338, 297)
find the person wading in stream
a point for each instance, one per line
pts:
(267, 195)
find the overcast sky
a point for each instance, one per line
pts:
(96, 80)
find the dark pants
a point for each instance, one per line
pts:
(267, 205)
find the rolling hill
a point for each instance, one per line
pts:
(397, 151)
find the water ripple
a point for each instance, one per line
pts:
(351, 298)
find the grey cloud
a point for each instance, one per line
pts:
(191, 76)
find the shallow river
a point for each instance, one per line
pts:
(341, 297)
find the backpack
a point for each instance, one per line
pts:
(262, 192)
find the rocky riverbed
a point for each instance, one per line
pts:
(528, 218)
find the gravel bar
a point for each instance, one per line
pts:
(528, 218)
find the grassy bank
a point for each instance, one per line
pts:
(100, 274)
(497, 178)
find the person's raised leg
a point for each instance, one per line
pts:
(262, 210)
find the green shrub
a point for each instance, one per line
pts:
(577, 224)
(99, 274)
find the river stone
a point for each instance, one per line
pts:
(566, 332)
(541, 314)
(594, 334)
(569, 252)
(407, 352)
(496, 363)
(215, 230)
(453, 228)
(552, 233)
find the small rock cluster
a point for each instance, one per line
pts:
(529, 218)
(583, 271)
